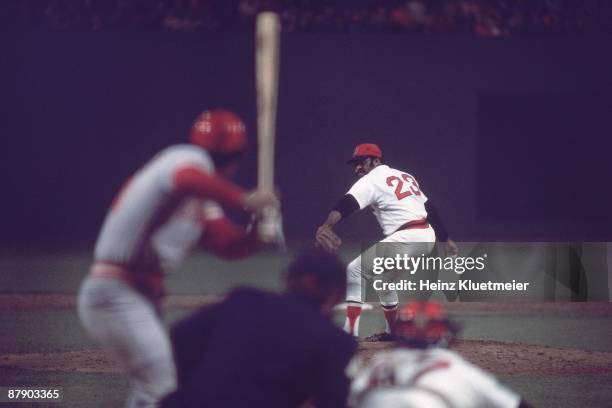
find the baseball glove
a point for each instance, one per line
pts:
(327, 239)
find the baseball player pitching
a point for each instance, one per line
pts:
(406, 217)
(169, 206)
(421, 372)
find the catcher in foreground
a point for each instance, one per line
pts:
(421, 372)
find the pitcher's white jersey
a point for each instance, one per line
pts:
(394, 195)
(149, 227)
(409, 378)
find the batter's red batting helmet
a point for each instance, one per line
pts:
(219, 131)
(424, 324)
(365, 150)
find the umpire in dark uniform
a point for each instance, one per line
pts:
(261, 349)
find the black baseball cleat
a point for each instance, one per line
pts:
(382, 336)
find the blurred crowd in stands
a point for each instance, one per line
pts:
(478, 17)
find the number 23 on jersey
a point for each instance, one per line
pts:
(405, 185)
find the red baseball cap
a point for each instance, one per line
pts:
(365, 150)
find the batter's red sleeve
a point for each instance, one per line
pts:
(192, 180)
(227, 240)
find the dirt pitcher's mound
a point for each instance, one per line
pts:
(498, 357)
(55, 301)
(60, 301)
(518, 358)
(92, 361)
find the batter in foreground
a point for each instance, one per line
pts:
(169, 206)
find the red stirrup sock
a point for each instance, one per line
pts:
(390, 316)
(353, 312)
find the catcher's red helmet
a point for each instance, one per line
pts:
(219, 131)
(424, 324)
(365, 150)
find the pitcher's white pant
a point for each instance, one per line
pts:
(412, 242)
(125, 323)
(402, 397)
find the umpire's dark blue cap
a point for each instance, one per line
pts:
(328, 270)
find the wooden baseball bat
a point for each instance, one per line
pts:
(267, 58)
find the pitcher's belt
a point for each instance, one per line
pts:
(414, 224)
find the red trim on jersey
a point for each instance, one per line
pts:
(438, 365)
(119, 197)
(192, 180)
(227, 240)
(416, 224)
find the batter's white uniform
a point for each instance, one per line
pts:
(149, 226)
(432, 378)
(149, 230)
(396, 200)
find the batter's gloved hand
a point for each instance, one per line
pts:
(327, 239)
(270, 226)
(257, 200)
